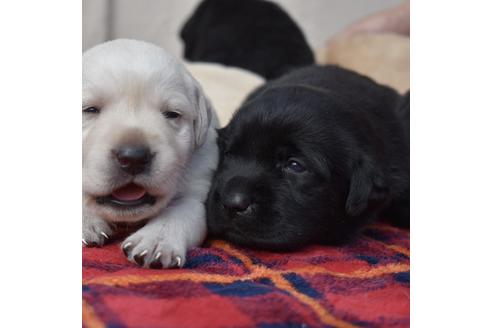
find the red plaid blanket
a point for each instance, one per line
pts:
(365, 283)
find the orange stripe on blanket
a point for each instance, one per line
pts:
(234, 252)
(399, 249)
(177, 275)
(323, 314)
(89, 316)
(396, 248)
(358, 274)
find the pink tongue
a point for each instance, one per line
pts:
(129, 192)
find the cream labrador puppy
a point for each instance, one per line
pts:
(149, 151)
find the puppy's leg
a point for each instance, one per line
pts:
(95, 231)
(164, 240)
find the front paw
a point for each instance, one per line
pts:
(95, 232)
(155, 250)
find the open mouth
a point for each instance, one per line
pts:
(130, 195)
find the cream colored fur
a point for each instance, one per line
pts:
(225, 86)
(133, 83)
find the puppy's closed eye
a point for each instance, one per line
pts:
(172, 115)
(91, 110)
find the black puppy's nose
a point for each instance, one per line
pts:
(133, 159)
(237, 202)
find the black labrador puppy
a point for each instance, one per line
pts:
(255, 35)
(310, 158)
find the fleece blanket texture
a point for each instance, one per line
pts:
(365, 283)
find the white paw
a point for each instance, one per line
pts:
(151, 247)
(95, 231)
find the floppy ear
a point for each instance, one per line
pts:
(367, 187)
(204, 117)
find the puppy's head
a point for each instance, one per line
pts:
(223, 31)
(290, 173)
(143, 116)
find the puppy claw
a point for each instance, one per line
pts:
(149, 248)
(89, 243)
(126, 248)
(177, 262)
(95, 231)
(140, 258)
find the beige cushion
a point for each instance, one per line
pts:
(226, 87)
(383, 57)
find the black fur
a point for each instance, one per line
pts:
(256, 35)
(350, 134)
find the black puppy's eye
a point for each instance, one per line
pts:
(295, 166)
(91, 110)
(171, 115)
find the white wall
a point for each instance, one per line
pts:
(159, 21)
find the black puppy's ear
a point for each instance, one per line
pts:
(190, 27)
(367, 187)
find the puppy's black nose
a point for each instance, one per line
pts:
(133, 159)
(237, 202)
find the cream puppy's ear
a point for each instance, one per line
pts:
(203, 119)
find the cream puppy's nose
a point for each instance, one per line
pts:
(133, 159)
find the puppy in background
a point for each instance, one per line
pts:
(149, 151)
(255, 35)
